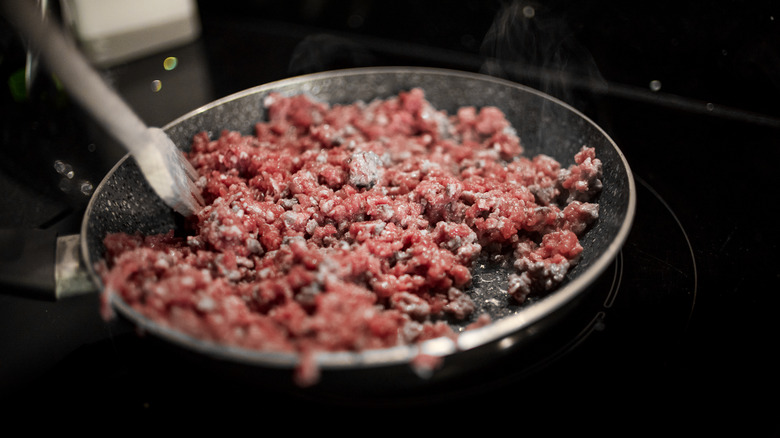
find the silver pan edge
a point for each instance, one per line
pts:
(148, 214)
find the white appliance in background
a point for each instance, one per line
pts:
(115, 31)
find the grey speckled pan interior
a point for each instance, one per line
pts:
(124, 202)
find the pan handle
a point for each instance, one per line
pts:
(39, 264)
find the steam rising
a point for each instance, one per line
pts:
(533, 44)
(321, 52)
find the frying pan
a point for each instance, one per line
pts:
(125, 202)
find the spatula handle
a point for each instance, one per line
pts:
(81, 80)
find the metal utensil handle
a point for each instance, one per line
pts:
(81, 80)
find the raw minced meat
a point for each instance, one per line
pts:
(352, 227)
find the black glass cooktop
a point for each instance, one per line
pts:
(679, 334)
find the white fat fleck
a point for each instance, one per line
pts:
(311, 226)
(327, 206)
(232, 230)
(385, 211)
(233, 274)
(254, 246)
(427, 165)
(206, 304)
(365, 169)
(289, 218)
(245, 262)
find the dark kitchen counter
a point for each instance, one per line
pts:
(689, 95)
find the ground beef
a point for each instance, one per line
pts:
(352, 227)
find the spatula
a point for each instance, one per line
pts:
(166, 169)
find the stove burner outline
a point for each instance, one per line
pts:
(660, 199)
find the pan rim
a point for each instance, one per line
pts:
(403, 354)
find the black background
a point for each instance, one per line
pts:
(693, 345)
